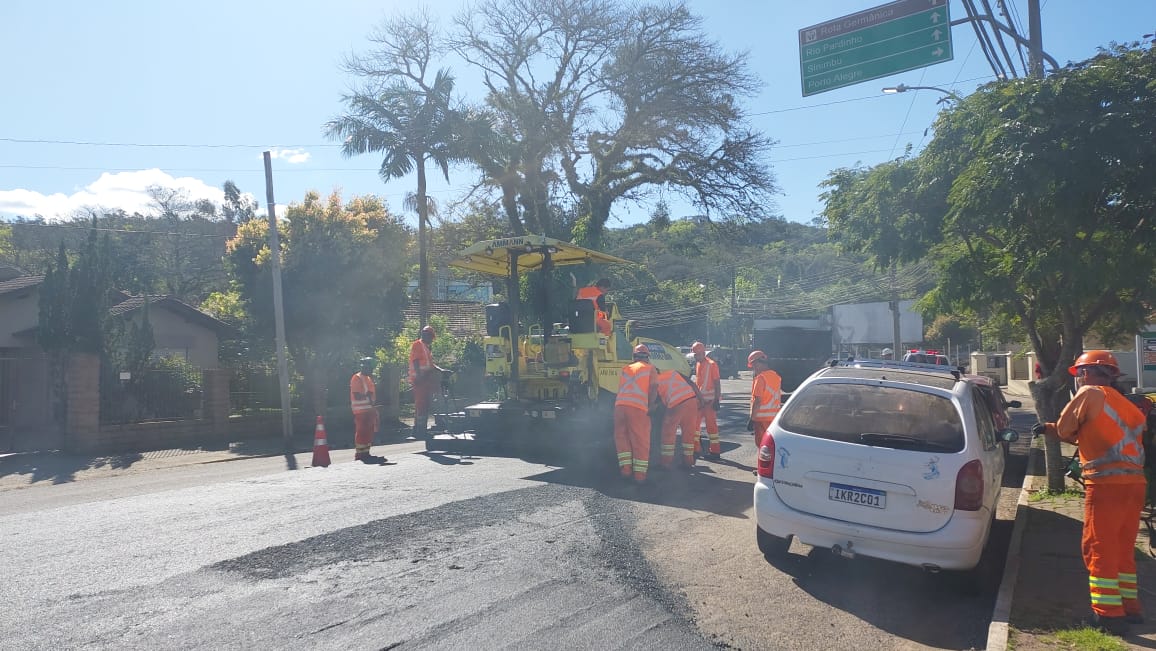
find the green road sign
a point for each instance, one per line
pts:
(895, 37)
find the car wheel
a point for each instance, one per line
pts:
(771, 546)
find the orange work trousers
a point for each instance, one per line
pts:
(684, 415)
(632, 439)
(364, 425)
(423, 395)
(760, 429)
(1111, 521)
(710, 416)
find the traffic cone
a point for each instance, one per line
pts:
(320, 445)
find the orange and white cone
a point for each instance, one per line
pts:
(320, 445)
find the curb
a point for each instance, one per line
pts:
(997, 631)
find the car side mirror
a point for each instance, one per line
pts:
(1014, 404)
(1009, 436)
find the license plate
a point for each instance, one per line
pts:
(857, 495)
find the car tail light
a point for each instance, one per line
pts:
(968, 486)
(767, 456)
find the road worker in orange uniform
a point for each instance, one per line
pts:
(766, 395)
(681, 398)
(597, 293)
(707, 378)
(637, 395)
(425, 376)
(362, 395)
(1107, 428)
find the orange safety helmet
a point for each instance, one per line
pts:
(755, 356)
(641, 351)
(697, 347)
(1096, 358)
(428, 330)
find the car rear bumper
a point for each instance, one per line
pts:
(956, 546)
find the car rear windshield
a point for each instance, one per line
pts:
(876, 415)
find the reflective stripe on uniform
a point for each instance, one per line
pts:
(673, 389)
(1121, 462)
(1104, 591)
(361, 404)
(631, 393)
(769, 404)
(705, 375)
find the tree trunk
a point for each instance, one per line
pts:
(1050, 396)
(422, 261)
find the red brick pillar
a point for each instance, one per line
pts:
(82, 394)
(217, 400)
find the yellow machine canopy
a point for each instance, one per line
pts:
(492, 257)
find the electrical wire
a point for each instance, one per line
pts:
(1016, 24)
(999, 38)
(985, 42)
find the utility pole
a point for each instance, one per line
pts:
(1053, 454)
(279, 311)
(896, 342)
(1035, 40)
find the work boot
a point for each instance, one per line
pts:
(369, 459)
(1112, 625)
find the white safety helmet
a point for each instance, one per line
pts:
(886, 351)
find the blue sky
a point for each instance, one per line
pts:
(194, 92)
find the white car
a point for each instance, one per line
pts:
(890, 460)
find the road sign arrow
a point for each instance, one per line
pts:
(936, 34)
(935, 17)
(937, 51)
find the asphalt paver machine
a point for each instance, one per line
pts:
(555, 381)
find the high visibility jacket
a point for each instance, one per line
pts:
(420, 361)
(766, 395)
(634, 386)
(1108, 430)
(361, 384)
(593, 293)
(706, 377)
(589, 292)
(673, 388)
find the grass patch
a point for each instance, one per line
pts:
(1066, 494)
(1087, 639)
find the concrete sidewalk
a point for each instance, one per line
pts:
(1045, 584)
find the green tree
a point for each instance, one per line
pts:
(610, 102)
(344, 278)
(405, 115)
(1046, 195)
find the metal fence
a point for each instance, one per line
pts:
(254, 389)
(153, 394)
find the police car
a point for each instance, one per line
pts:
(899, 461)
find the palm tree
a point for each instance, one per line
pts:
(411, 124)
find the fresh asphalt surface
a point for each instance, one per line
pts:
(436, 551)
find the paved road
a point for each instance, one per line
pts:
(447, 552)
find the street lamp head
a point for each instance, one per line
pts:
(903, 88)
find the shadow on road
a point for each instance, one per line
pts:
(937, 610)
(59, 468)
(448, 459)
(700, 490)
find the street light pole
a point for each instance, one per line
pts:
(902, 88)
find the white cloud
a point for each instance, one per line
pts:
(291, 156)
(127, 191)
